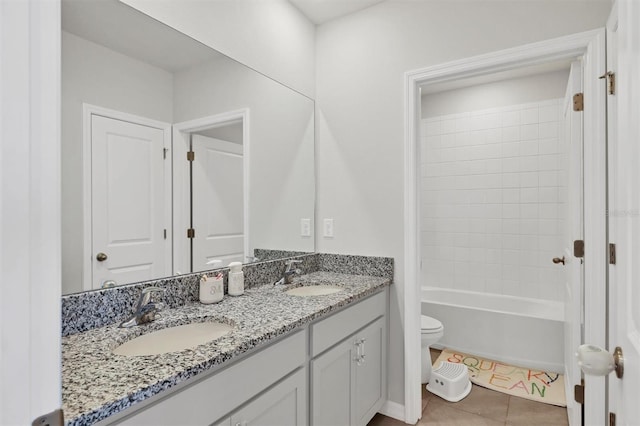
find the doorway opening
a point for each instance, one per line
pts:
(461, 194)
(494, 201)
(211, 191)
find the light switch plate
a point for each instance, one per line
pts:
(327, 229)
(305, 227)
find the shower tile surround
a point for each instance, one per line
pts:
(493, 200)
(263, 313)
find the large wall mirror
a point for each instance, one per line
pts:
(175, 158)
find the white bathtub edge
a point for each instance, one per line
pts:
(558, 307)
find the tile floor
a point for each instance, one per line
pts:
(483, 407)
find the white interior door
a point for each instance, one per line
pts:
(573, 294)
(217, 202)
(129, 223)
(595, 220)
(624, 219)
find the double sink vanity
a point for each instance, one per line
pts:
(236, 178)
(312, 352)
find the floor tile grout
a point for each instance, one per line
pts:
(445, 413)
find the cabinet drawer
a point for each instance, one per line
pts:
(333, 329)
(213, 397)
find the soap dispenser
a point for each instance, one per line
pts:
(236, 279)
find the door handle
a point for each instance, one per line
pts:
(108, 284)
(101, 257)
(557, 260)
(596, 361)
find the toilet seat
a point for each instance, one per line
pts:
(430, 325)
(431, 332)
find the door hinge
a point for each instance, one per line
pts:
(612, 419)
(164, 153)
(611, 76)
(191, 156)
(165, 234)
(54, 418)
(578, 248)
(612, 254)
(578, 102)
(578, 393)
(191, 233)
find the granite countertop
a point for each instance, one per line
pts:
(97, 383)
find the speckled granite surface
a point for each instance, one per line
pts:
(93, 309)
(97, 384)
(357, 265)
(268, 254)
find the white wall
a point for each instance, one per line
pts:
(493, 196)
(272, 36)
(99, 76)
(281, 145)
(531, 88)
(361, 59)
(30, 310)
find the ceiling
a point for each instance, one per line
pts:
(119, 27)
(321, 11)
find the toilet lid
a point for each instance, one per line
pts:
(428, 323)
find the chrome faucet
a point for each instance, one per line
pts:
(289, 272)
(146, 309)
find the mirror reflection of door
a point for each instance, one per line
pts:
(217, 196)
(129, 202)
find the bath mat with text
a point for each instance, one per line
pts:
(527, 383)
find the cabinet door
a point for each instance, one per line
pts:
(283, 405)
(331, 385)
(370, 378)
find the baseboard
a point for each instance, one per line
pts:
(393, 410)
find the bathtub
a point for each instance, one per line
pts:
(515, 330)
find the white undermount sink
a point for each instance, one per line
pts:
(173, 339)
(314, 290)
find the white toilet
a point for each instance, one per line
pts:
(432, 330)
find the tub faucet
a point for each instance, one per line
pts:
(146, 309)
(289, 272)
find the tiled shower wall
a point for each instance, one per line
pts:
(493, 200)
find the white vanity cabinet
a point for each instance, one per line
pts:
(257, 379)
(284, 404)
(348, 380)
(332, 372)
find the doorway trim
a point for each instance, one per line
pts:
(89, 110)
(181, 185)
(566, 47)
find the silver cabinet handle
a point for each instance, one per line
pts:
(360, 356)
(357, 344)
